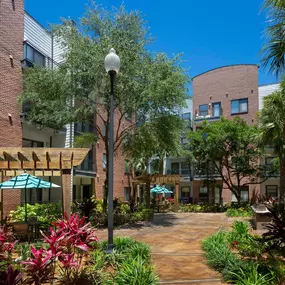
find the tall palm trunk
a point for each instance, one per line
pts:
(282, 178)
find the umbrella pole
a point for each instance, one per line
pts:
(26, 205)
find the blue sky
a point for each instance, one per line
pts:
(209, 33)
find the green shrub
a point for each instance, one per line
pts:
(239, 212)
(45, 213)
(130, 259)
(136, 271)
(251, 276)
(253, 270)
(218, 253)
(139, 249)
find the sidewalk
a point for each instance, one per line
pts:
(175, 240)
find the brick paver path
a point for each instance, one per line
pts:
(175, 241)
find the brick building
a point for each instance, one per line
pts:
(229, 91)
(24, 43)
(11, 54)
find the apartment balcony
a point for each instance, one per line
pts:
(85, 169)
(203, 174)
(209, 118)
(185, 173)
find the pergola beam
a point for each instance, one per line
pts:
(43, 162)
(171, 179)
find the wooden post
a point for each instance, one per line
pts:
(93, 187)
(147, 196)
(176, 197)
(66, 191)
(1, 193)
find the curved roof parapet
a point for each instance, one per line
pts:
(252, 64)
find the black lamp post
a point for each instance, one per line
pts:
(112, 66)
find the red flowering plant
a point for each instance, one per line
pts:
(39, 266)
(7, 244)
(171, 200)
(10, 276)
(69, 242)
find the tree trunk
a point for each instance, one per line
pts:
(105, 195)
(282, 178)
(147, 196)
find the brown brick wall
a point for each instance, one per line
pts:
(223, 85)
(120, 179)
(11, 45)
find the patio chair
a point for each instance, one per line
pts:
(21, 231)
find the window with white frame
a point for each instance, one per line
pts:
(272, 191)
(203, 195)
(185, 191)
(127, 193)
(244, 195)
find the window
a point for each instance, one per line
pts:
(33, 55)
(127, 193)
(126, 167)
(185, 192)
(272, 191)
(175, 168)
(243, 193)
(203, 195)
(185, 168)
(104, 160)
(74, 192)
(87, 164)
(240, 106)
(216, 109)
(269, 160)
(203, 110)
(31, 143)
(186, 116)
(35, 195)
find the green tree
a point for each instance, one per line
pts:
(272, 127)
(231, 147)
(148, 87)
(273, 51)
(151, 142)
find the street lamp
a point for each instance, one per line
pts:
(112, 66)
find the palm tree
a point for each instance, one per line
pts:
(273, 51)
(272, 127)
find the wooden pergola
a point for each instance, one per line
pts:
(42, 162)
(170, 179)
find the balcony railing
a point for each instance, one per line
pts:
(207, 117)
(172, 171)
(182, 172)
(204, 172)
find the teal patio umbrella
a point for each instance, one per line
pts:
(25, 181)
(160, 190)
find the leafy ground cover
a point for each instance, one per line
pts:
(232, 210)
(244, 259)
(90, 208)
(71, 254)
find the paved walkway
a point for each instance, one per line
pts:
(175, 241)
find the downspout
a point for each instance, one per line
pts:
(52, 43)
